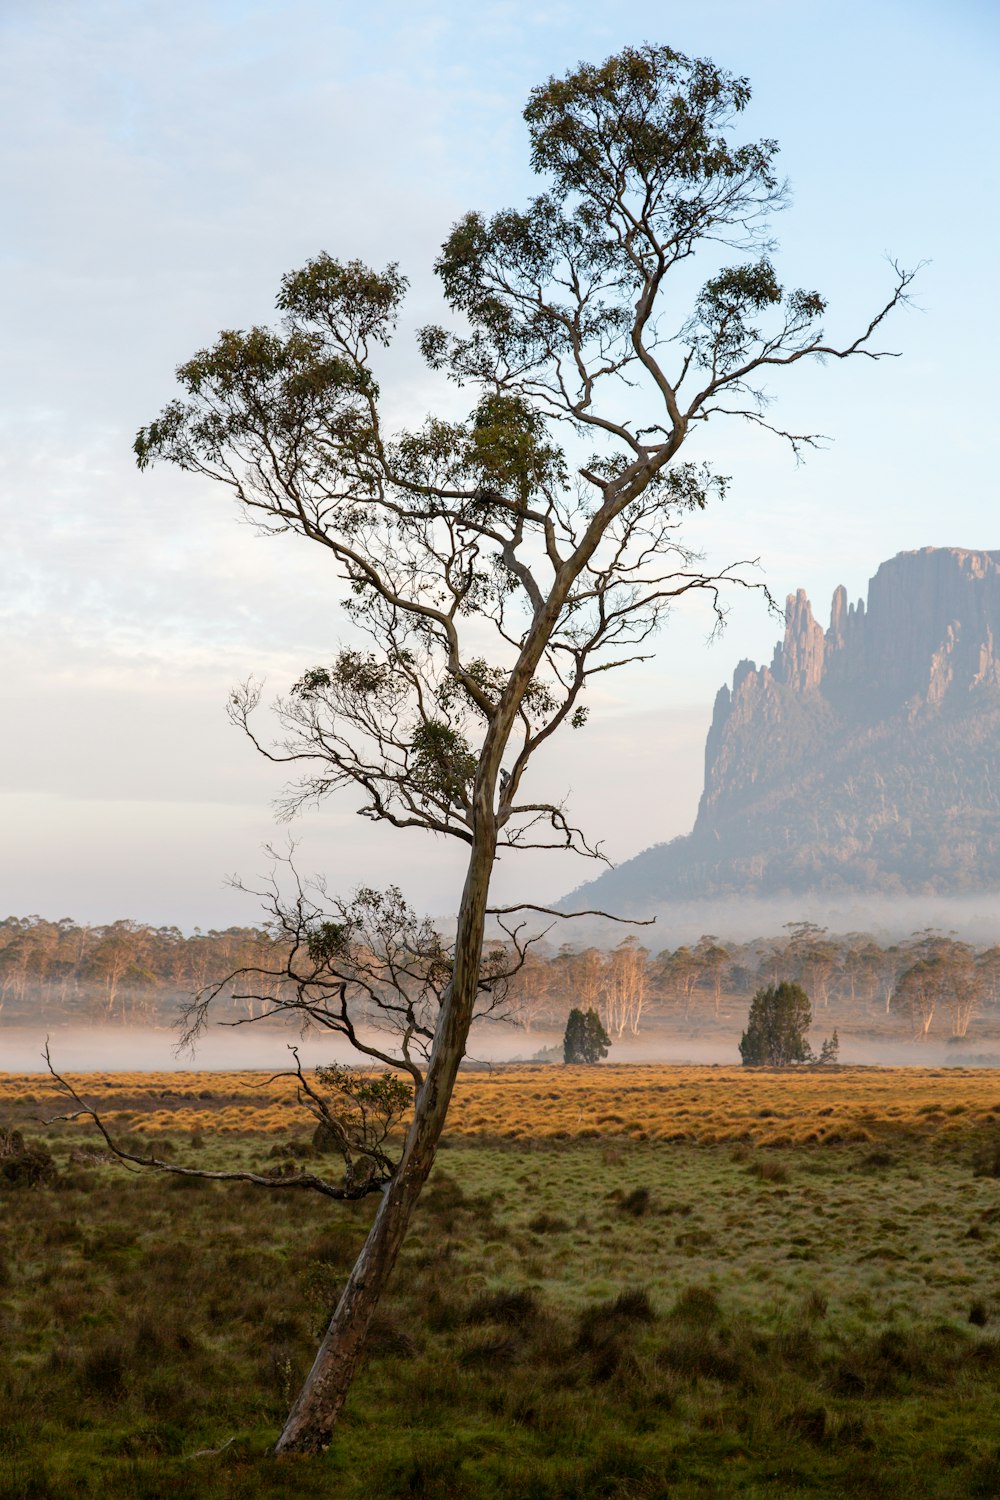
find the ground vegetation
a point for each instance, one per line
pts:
(621, 1282)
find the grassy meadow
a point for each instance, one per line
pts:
(622, 1282)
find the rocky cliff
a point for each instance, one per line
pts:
(865, 757)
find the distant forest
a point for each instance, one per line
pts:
(127, 973)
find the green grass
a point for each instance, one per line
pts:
(571, 1317)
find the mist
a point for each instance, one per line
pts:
(99, 1049)
(154, 1050)
(740, 919)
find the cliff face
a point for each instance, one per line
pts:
(924, 648)
(866, 756)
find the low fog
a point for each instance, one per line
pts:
(974, 919)
(148, 1049)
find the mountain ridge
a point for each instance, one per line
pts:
(862, 758)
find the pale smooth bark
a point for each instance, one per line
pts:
(311, 1421)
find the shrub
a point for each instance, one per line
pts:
(769, 1170)
(636, 1202)
(586, 1040)
(697, 1304)
(22, 1165)
(986, 1160)
(514, 1307)
(779, 1018)
(545, 1223)
(830, 1050)
(604, 1320)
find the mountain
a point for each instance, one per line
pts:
(866, 757)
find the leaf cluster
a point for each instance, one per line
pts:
(780, 1016)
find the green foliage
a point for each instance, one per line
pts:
(443, 763)
(661, 114)
(328, 942)
(350, 299)
(573, 1037)
(829, 1052)
(381, 1093)
(722, 330)
(356, 1112)
(779, 1018)
(586, 1040)
(359, 674)
(509, 447)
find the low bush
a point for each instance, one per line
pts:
(636, 1203)
(22, 1165)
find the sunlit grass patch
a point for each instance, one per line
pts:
(659, 1101)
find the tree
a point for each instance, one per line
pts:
(586, 1040)
(596, 1039)
(684, 969)
(529, 992)
(944, 974)
(625, 981)
(495, 565)
(829, 1052)
(813, 955)
(583, 975)
(710, 952)
(779, 1018)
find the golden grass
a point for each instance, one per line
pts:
(696, 1104)
(710, 1105)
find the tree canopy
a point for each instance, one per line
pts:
(585, 1040)
(777, 1029)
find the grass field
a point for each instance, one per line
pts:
(622, 1282)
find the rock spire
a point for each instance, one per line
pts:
(865, 756)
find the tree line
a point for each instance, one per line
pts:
(929, 983)
(123, 972)
(129, 972)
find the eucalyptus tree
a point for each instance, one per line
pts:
(497, 564)
(942, 973)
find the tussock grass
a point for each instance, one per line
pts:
(784, 1291)
(700, 1105)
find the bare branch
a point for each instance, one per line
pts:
(567, 916)
(307, 1181)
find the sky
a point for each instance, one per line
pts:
(161, 166)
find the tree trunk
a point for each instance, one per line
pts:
(311, 1421)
